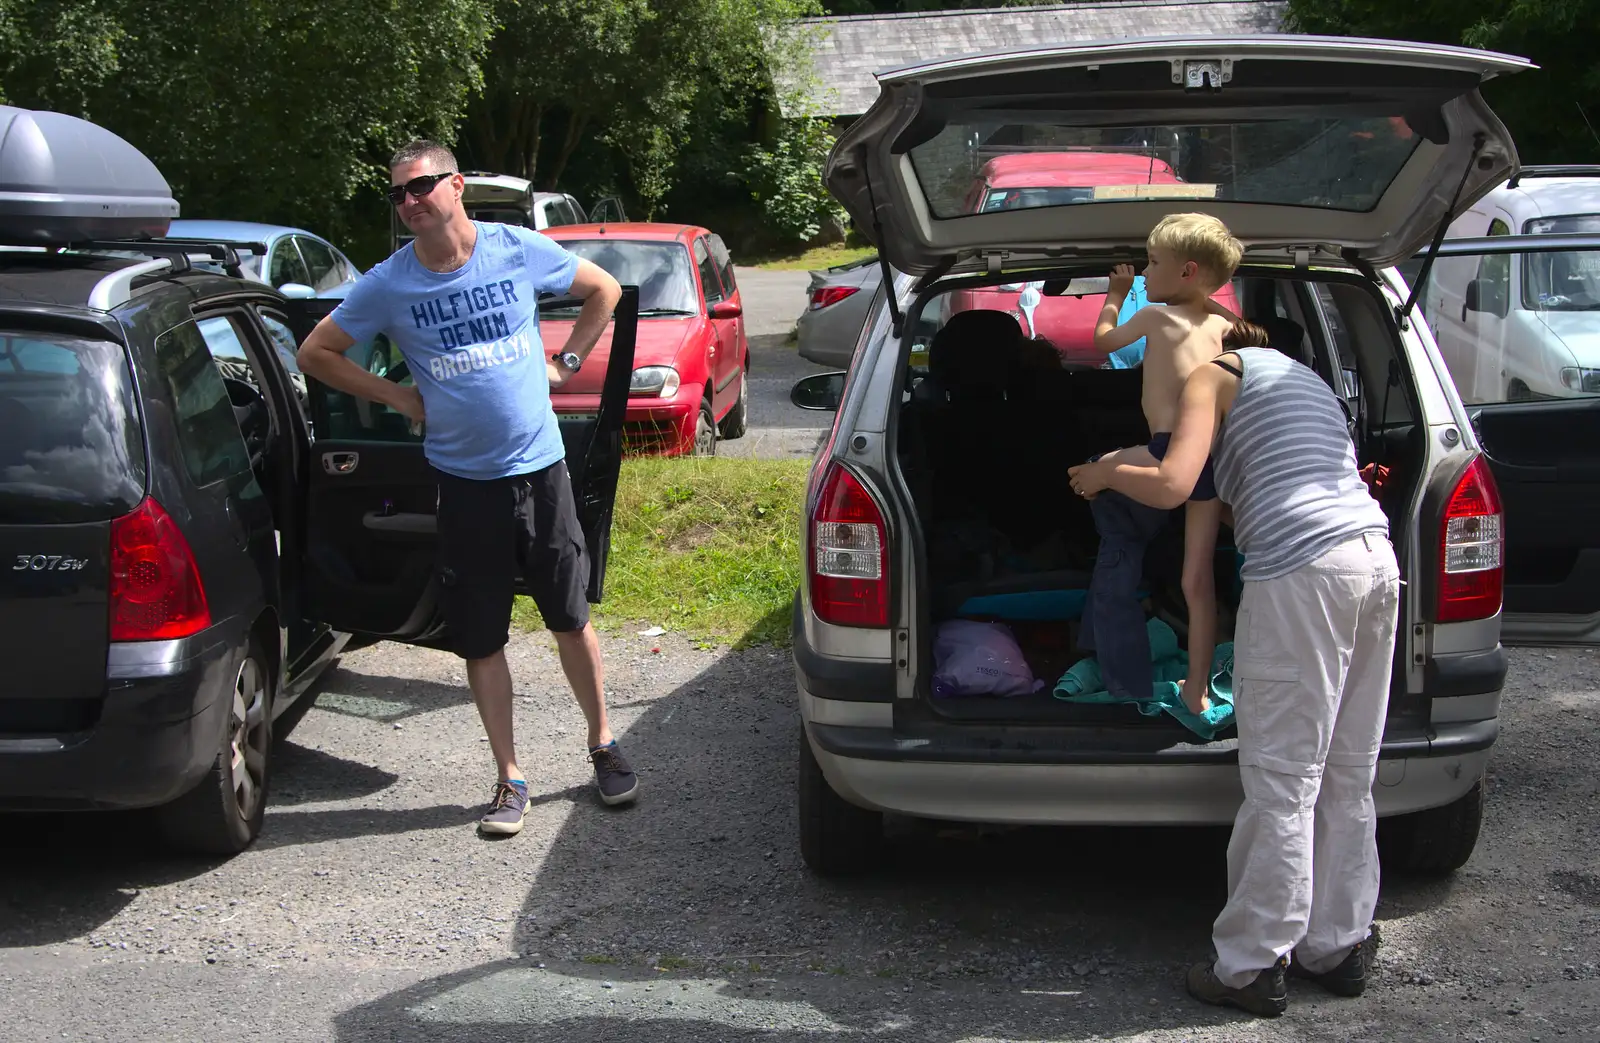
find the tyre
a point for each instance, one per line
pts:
(737, 422)
(1517, 391)
(836, 837)
(222, 815)
(705, 431)
(1435, 842)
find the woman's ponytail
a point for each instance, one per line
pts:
(1244, 335)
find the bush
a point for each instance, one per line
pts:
(786, 180)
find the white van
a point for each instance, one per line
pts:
(1513, 327)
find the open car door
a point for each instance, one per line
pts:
(368, 544)
(1517, 321)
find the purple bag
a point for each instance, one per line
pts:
(972, 658)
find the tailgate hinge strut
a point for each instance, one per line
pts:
(896, 319)
(1478, 141)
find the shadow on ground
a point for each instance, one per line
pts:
(700, 894)
(83, 868)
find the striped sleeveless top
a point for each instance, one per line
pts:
(1285, 464)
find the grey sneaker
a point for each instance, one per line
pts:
(1267, 996)
(1350, 977)
(506, 810)
(616, 780)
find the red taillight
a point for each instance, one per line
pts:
(823, 296)
(156, 592)
(1471, 548)
(849, 555)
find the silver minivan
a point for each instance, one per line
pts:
(941, 492)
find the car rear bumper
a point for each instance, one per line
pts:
(158, 731)
(828, 335)
(875, 768)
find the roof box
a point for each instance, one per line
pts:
(64, 180)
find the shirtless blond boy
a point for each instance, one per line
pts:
(1191, 257)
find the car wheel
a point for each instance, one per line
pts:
(1518, 392)
(222, 815)
(1435, 842)
(836, 837)
(705, 431)
(737, 422)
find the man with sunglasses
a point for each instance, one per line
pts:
(461, 303)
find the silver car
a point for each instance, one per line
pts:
(837, 304)
(941, 493)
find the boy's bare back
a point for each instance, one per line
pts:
(1179, 340)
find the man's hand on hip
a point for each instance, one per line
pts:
(600, 293)
(408, 400)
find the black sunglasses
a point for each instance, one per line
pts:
(417, 186)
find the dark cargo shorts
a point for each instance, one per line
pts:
(488, 530)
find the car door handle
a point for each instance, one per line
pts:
(340, 463)
(240, 536)
(404, 523)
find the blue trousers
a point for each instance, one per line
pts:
(1113, 622)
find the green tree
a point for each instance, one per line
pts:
(275, 110)
(57, 52)
(1551, 112)
(847, 7)
(631, 74)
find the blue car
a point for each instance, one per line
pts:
(297, 263)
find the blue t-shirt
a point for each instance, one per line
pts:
(471, 340)
(1131, 355)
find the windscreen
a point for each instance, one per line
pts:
(1332, 163)
(660, 270)
(1564, 281)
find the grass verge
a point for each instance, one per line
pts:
(707, 547)
(816, 258)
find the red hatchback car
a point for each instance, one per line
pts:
(690, 366)
(1034, 179)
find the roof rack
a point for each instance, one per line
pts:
(168, 254)
(224, 251)
(1555, 170)
(117, 288)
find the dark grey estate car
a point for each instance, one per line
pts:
(190, 532)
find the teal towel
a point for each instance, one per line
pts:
(1082, 684)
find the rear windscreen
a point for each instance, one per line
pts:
(1048, 160)
(71, 445)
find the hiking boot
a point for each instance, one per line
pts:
(616, 780)
(1267, 996)
(1350, 977)
(506, 809)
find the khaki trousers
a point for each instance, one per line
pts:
(1313, 652)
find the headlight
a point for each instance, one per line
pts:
(658, 381)
(1586, 381)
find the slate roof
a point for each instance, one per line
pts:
(847, 51)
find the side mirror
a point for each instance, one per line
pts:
(298, 291)
(1484, 296)
(820, 391)
(726, 310)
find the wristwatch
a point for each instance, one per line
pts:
(570, 360)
